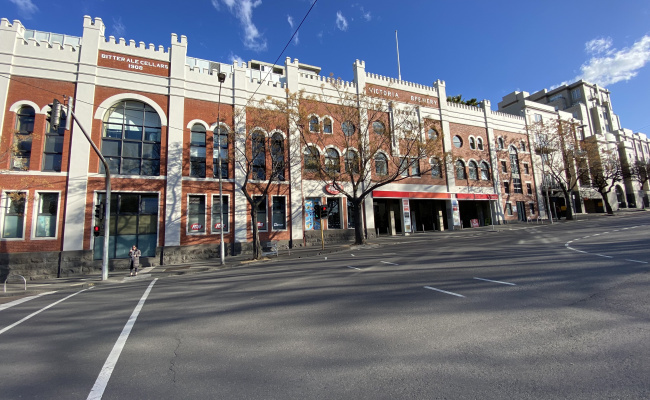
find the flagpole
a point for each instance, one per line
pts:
(399, 72)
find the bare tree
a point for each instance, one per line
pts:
(562, 157)
(640, 172)
(381, 141)
(605, 170)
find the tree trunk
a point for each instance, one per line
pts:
(257, 251)
(608, 207)
(569, 206)
(358, 222)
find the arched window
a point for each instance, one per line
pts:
(22, 149)
(479, 143)
(381, 164)
(500, 143)
(220, 140)
(53, 149)
(514, 161)
(312, 159)
(485, 171)
(458, 142)
(436, 171)
(313, 124)
(352, 162)
(197, 151)
(332, 161)
(258, 148)
(277, 156)
(460, 170)
(378, 127)
(473, 170)
(348, 128)
(472, 143)
(327, 125)
(131, 139)
(432, 134)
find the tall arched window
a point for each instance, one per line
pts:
(352, 162)
(277, 156)
(197, 151)
(313, 124)
(485, 171)
(258, 151)
(332, 161)
(312, 159)
(460, 170)
(479, 143)
(53, 149)
(327, 125)
(472, 143)
(473, 170)
(131, 139)
(220, 141)
(381, 164)
(514, 161)
(22, 148)
(500, 144)
(436, 171)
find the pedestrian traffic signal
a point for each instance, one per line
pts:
(96, 230)
(99, 211)
(54, 115)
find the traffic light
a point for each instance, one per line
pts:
(324, 211)
(317, 210)
(54, 115)
(96, 230)
(99, 211)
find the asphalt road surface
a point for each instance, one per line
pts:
(543, 312)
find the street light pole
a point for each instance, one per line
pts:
(222, 249)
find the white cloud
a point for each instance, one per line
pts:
(341, 22)
(234, 57)
(295, 38)
(25, 7)
(118, 28)
(610, 65)
(243, 11)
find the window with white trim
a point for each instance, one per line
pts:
(196, 214)
(217, 210)
(46, 215)
(14, 215)
(261, 211)
(279, 213)
(197, 151)
(334, 219)
(53, 146)
(22, 148)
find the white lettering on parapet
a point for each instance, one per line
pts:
(135, 63)
(383, 92)
(425, 100)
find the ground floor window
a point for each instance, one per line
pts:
(261, 212)
(14, 215)
(311, 223)
(196, 214)
(279, 213)
(508, 209)
(133, 221)
(216, 215)
(532, 208)
(46, 209)
(351, 215)
(334, 218)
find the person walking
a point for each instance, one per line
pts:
(134, 254)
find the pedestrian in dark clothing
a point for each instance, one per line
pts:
(134, 254)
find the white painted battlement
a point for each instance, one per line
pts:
(465, 107)
(401, 84)
(16, 26)
(327, 79)
(502, 115)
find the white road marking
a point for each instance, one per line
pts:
(637, 261)
(443, 291)
(352, 255)
(490, 280)
(40, 311)
(107, 370)
(24, 299)
(358, 269)
(386, 262)
(602, 255)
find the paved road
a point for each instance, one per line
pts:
(551, 312)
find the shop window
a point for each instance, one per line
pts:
(53, 146)
(352, 162)
(334, 219)
(197, 151)
(532, 208)
(279, 213)
(258, 148)
(261, 212)
(14, 215)
(485, 171)
(220, 141)
(22, 147)
(196, 214)
(351, 216)
(436, 171)
(277, 156)
(460, 170)
(217, 209)
(332, 161)
(131, 139)
(348, 128)
(133, 221)
(327, 125)
(46, 213)
(312, 159)
(458, 142)
(381, 164)
(473, 170)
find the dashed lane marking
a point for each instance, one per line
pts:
(444, 291)
(501, 282)
(390, 263)
(358, 269)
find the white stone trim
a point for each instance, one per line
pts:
(103, 107)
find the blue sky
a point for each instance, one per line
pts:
(481, 49)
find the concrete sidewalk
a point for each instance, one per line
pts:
(15, 286)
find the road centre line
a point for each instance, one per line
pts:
(358, 269)
(637, 261)
(97, 391)
(490, 280)
(602, 255)
(386, 262)
(443, 291)
(40, 311)
(24, 299)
